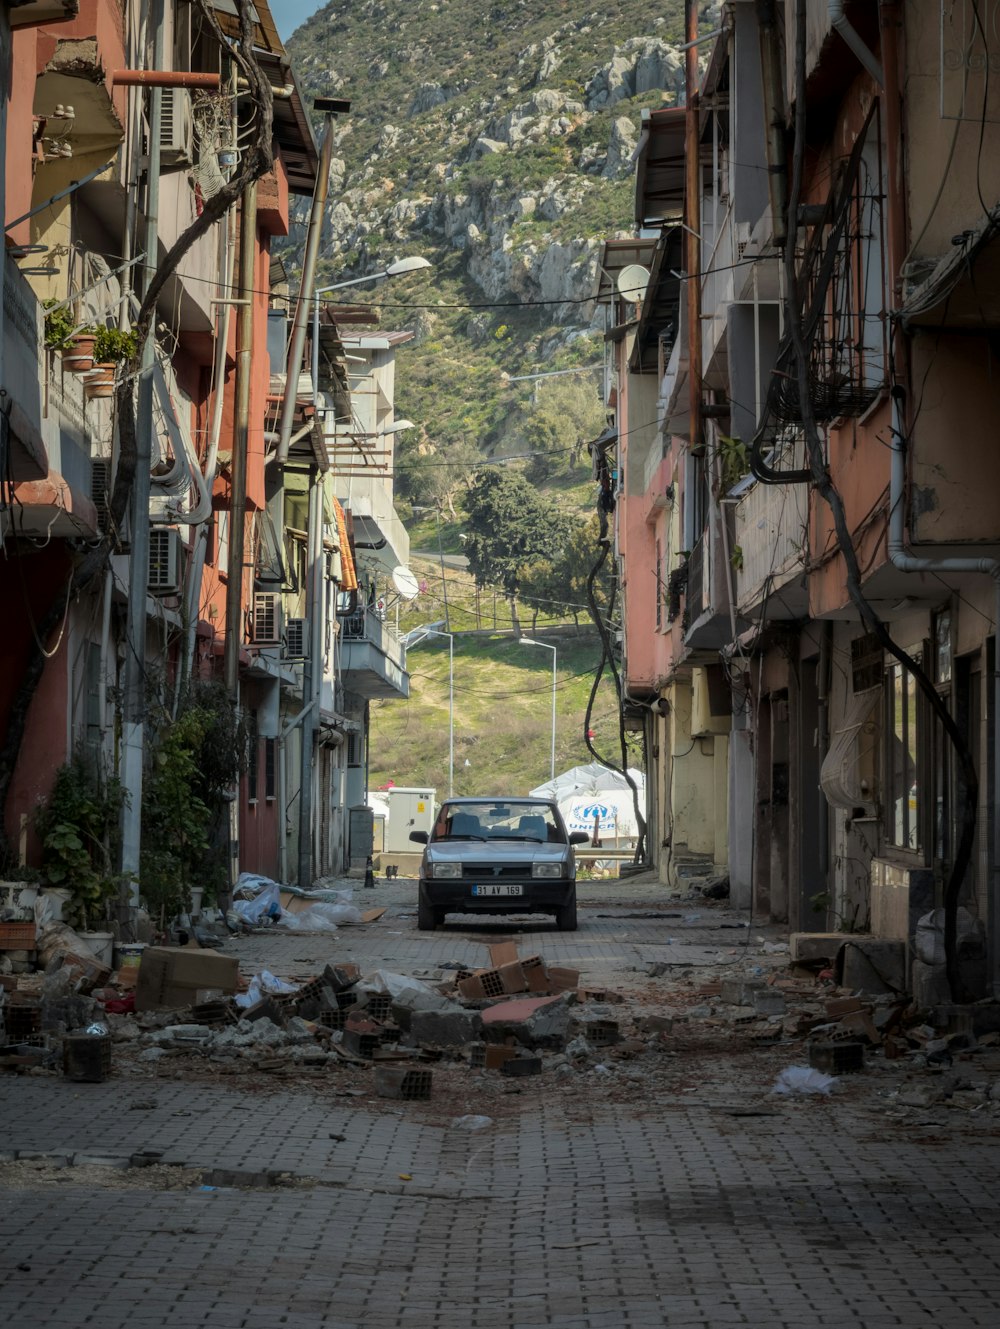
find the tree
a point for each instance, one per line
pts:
(564, 414)
(558, 585)
(509, 527)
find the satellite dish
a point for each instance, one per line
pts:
(632, 281)
(405, 582)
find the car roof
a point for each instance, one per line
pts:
(498, 798)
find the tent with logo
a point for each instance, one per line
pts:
(591, 779)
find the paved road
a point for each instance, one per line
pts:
(646, 1201)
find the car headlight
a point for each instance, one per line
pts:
(548, 870)
(442, 870)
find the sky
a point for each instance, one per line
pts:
(290, 14)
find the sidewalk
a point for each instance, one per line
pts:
(672, 1188)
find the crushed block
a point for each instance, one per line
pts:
(562, 979)
(535, 975)
(842, 1057)
(501, 953)
(512, 977)
(522, 1066)
(471, 987)
(817, 947)
(402, 1082)
(452, 1027)
(497, 1055)
(340, 977)
(533, 1021)
(872, 964)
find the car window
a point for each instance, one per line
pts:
(500, 819)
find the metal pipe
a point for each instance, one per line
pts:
(850, 34)
(774, 100)
(823, 740)
(241, 433)
(134, 707)
(163, 78)
(310, 690)
(692, 193)
(55, 198)
(298, 338)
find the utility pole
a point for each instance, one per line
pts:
(692, 192)
(134, 705)
(444, 580)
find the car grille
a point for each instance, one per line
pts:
(495, 871)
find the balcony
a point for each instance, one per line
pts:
(706, 607)
(771, 531)
(371, 657)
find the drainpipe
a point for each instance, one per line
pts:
(850, 34)
(774, 116)
(134, 707)
(692, 191)
(306, 284)
(312, 680)
(823, 742)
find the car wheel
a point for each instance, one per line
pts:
(566, 916)
(427, 916)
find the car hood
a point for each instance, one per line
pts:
(496, 851)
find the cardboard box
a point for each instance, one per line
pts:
(171, 976)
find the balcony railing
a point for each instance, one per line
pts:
(372, 655)
(771, 533)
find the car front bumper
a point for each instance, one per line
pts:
(537, 897)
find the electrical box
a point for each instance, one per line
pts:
(296, 638)
(164, 561)
(266, 626)
(409, 810)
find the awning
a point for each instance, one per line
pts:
(49, 508)
(616, 255)
(660, 170)
(348, 576)
(661, 305)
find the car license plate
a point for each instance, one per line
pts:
(497, 889)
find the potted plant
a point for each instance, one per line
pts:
(59, 326)
(111, 346)
(78, 355)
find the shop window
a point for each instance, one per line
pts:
(903, 733)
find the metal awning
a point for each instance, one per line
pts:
(661, 305)
(619, 254)
(659, 177)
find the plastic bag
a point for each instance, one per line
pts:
(394, 984)
(929, 940)
(803, 1080)
(256, 898)
(472, 1122)
(263, 985)
(320, 918)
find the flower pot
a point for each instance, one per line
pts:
(101, 943)
(78, 357)
(100, 382)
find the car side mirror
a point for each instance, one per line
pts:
(421, 836)
(578, 837)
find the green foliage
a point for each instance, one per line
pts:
(558, 584)
(112, 345)
(79, 829)
(59, 326)
(197, 760)
(734, 459)
(509, 525)
(563, 416)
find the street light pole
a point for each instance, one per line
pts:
(414, 638)
(530, 641)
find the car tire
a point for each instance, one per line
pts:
(427, 916)
(566, 916)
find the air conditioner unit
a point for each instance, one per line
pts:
(100, 491)
(266, 627)
(296, 639)
(164, 561)
(176, 128)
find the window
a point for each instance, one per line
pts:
(270, 769)
(903, 726)
(253, 748)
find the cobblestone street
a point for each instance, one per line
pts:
(691, 1197)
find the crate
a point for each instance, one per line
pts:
(17, 936)
(87, 1057)
(843, 1057)
(400, 1082)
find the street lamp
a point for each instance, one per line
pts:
(413, 263)
(414, 638)
(530, 641)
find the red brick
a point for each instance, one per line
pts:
(521, 1008)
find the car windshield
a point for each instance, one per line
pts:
(498, 819)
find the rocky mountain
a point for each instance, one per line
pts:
(497, 139)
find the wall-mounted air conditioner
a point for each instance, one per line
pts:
(176, 128)
(265, 630)
(164, 561)
(296, 639)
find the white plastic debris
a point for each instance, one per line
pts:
(263, 985)
(804, 1080)
(472, 1122)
